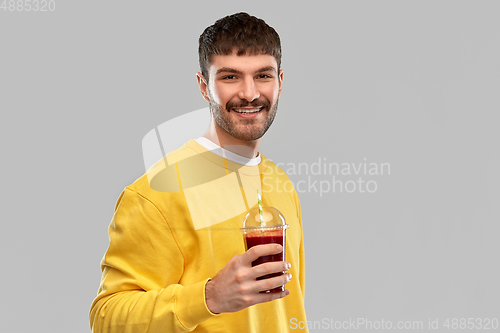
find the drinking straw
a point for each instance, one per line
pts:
(259, 200)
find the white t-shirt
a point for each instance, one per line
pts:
(228, 155)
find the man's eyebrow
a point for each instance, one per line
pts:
(227, 70)
(232, 70)
(266, 69)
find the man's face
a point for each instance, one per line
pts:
(243, 93)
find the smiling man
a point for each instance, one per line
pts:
(243, 95)
(176, 261)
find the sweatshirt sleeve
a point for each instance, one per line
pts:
(302, 269)
(141, 270)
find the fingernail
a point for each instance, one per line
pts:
(289, 276)
(288, 265)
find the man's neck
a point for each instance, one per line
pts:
(217, 135)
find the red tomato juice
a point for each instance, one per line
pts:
(268, 237)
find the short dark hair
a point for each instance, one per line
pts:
(241, 31)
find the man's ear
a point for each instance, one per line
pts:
(280, 82)
(203, 86)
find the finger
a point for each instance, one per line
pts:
(261, 298)
(261, 250)
(269, 268)
(271, 283)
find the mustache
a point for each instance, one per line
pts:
(242, 104)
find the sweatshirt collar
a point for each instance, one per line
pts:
(224, 153)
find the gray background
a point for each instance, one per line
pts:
(413, 84)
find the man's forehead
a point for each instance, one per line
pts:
(243, 63)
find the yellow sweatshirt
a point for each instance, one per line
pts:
(176, 227)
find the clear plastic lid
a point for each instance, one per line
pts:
(272, 218)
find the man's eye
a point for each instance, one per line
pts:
(228, 77)
(264, 76)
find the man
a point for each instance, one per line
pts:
(176, 261)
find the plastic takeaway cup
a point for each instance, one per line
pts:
(272, 230)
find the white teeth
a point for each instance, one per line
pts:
(247, 111)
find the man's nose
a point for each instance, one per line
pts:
(249, 90)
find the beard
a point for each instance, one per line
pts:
(244, 129)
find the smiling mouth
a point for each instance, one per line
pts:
(248, 111)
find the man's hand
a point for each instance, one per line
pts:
(235, 287)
